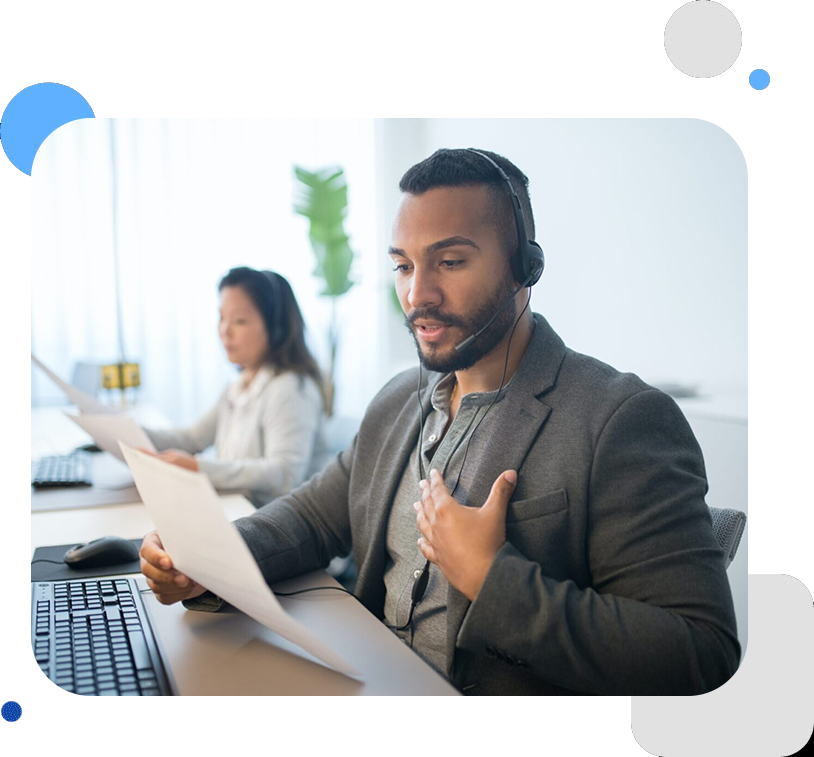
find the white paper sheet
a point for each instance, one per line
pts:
(205, 546)
(83, 401)
(108, 430)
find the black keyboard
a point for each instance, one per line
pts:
(62, 470)
(93, 638)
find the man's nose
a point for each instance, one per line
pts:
(424, 292)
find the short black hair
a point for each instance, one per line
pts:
(461, 168)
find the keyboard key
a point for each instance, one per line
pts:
(105, 678)
(151, 692)
(141, 655)
(134, 693)
(128, 686)
(127, 679)
(86, 690)
(146, 675)
(108, 692)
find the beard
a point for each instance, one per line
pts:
(447, 360)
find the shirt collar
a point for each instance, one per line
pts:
(236, 394)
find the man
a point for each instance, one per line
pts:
(563, 515)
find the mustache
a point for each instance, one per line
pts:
(432, 315)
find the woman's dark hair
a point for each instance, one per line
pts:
(275, 301)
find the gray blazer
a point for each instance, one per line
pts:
(610, 580)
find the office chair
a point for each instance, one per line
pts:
(728, 527)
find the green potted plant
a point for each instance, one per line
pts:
(322, 197)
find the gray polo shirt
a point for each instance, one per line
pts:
(404, 560)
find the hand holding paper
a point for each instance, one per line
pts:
(205, 546)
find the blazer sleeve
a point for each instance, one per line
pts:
(289, 423)
(192, 439)
(298, 532)
(658, 617)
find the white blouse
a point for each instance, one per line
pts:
(269, 436)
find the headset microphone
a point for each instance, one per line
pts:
(461, 346)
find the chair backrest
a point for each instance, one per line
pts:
(728, 526)
(339, 432)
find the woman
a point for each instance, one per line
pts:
(267, 426)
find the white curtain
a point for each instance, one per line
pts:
(192, 199)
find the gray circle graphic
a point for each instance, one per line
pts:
(702, 39)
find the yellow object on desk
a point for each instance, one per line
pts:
(121, 376)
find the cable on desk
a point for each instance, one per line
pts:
(314, 588)
(55, 562)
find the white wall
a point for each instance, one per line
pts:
(644, 227)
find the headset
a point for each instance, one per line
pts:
(279, 325)
(527, 264)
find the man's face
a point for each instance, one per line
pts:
(452, 275)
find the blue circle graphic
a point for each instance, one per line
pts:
(11, 711)
(35, 113)
(759, 79)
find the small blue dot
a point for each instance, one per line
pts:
(759, 79)
(11, 711)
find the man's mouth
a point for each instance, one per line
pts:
(430, 332)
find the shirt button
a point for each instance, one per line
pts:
(416, 573)
(432, 438)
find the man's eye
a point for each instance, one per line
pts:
(451, 263)
(401, 268)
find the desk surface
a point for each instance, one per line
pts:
(228, 653)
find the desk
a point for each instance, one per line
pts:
(228, 653)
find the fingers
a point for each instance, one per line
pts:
(437, 485)
(152, 550)
(168, 577)
(422, 521)
(168, 596)
(427, 550)
(156, 564)
(502, 491)
(147, 451)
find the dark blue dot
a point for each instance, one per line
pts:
(11, 711)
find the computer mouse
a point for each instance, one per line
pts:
(99, 553)
(89, 448)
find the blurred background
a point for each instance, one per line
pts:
(643, 223)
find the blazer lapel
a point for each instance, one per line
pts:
(522, 410)
(395, 452)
